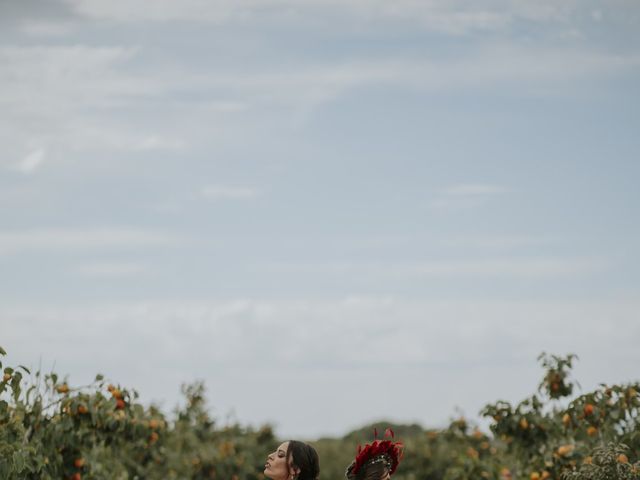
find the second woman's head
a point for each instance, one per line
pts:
(293, 460)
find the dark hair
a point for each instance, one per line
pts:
(304, 458)
(371, 471)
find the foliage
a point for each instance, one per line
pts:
(607, 463)
(546, 436)
(52, 430)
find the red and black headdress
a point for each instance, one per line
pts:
(386, 451)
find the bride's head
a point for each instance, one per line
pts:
(293, 460)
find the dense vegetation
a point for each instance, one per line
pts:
(51, 430)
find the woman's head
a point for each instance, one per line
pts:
(370, 471)
(377, 460)
(293, 460)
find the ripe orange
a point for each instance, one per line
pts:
(622, 458)
(82, 409)
(566, 419)
(64, 388)
(153, 437)
(78, 462)
(534, 476)
(524, 423)
(120, 404)
(592, 431)
(505, 474)
(76, 476)
(588, 409)
(6, 377)
(153, 424)
(565, 450)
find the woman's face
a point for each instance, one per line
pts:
(276, 467)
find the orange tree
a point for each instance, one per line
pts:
(545, 440)
(549, 435)
(51, 430)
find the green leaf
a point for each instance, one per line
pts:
(18, 461)
(99, 377)
(25, 369)
(2, 351)
(31, 389)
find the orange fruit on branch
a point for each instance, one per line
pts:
(565, 450)
(64, 388)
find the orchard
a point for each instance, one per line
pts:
(51, 429)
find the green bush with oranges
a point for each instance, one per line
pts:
(50, 429)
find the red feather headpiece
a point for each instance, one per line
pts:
(379, 451)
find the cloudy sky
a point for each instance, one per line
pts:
(330, 211)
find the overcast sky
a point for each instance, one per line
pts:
(332, 211)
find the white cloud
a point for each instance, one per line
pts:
(513, 267)
(252, 349)
(46, 28)
(473, 189)
(155, 142)
(76, 99)
(449, 16)
(83, 238)
(465, 196)
(491, 66)
(510, 267)
(31, 162)
(72, 98)
(221, 192)
(109, 269)
(67, 97)
(40, 79)
(501, 241)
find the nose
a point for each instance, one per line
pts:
(270, 456)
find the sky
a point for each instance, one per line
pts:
(331, 212)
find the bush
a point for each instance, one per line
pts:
(50, 429)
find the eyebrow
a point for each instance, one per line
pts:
(281, 451)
